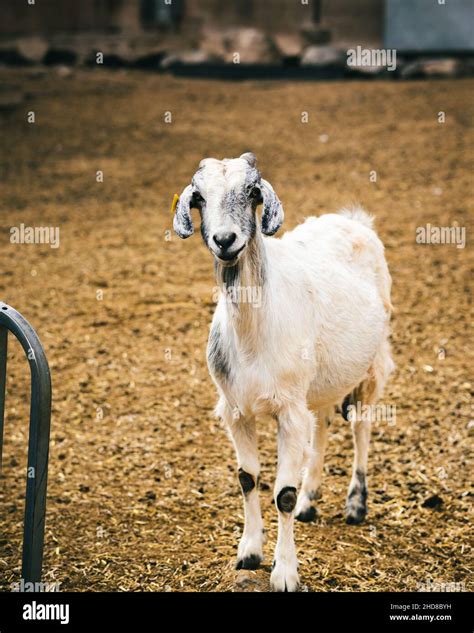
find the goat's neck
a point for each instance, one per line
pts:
(243, 286)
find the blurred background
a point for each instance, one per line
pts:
(158, 33)
(143, 493)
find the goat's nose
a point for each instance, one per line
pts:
(224, 240)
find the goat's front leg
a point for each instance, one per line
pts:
(294, 437)
(243, 434)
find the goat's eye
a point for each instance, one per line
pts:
(254, 193)
(198, 199)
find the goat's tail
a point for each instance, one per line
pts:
(358, 214)
(384, 281)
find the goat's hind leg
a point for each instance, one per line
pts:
(367, 393)
(311, 486)
(243, 433)
(356, 506)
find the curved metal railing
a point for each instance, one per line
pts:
(38, 443)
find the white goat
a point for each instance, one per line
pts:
(317, 338)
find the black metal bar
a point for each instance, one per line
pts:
(38, 444)
(3, 383)
(317, 11)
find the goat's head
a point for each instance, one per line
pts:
(227, 193)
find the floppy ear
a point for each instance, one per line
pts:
(272, 214)
(182, 223)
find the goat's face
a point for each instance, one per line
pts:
(227, 193)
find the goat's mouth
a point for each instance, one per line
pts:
(229, 259)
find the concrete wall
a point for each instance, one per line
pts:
(421, 25)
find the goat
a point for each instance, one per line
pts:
(319, 338)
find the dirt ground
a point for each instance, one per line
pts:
(143, 493)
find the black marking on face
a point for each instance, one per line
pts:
(252, 188)
(308, 515)
(249, 562)
(247, 482)
(216, 355)
(286, 499)
(197, 200)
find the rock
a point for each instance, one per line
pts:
(323, 56)
(289, 45)
(252, 45)
(215, 43)
(32, 49)
(194, 56)
(116, 50)
(437, 67)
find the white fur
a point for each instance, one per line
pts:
(322, 327)
(324, 316)
(320, 331)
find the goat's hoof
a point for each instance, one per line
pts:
(307, 516)
(356, 515)
(249, 562)
(284, 577)
(250, 552)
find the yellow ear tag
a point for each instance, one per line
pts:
(174, 203)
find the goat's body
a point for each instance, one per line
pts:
(316, 337)
(320, 333)
(326, 295)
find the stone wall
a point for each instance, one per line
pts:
(354, 21)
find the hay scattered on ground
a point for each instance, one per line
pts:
(143, 494)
